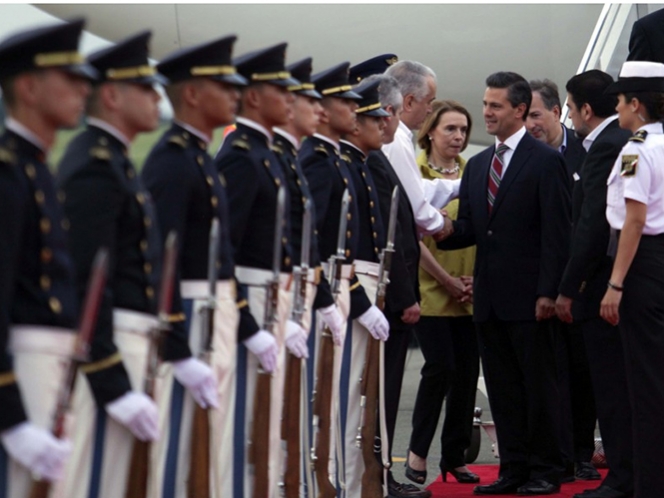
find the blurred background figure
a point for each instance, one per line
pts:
(446, 333)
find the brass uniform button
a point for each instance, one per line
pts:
(140, 198)
(147, 221)
(31, 171)
(144, 245)
(200, 161)
(46, 255)
(369, 189)
(214, 201)
(45, 282)
(55, 305)
(209, 180)
(364, 175)
(266, 163)
(277, 182)
(39, 197)
(348, 234)
(375, 235)
(347, 253)
(376, 250)
(371, 204)
(287, 261)
(149, 292)
(45, 225)
(345, 181)
(373, 219)
(147, 267)
(349, 216)
(299, 182)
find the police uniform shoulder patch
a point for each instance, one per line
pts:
(101, 153)
(639, 136)
(240, 144)
(7, 156)
(629, 163)
(178, 140)
(321, 150)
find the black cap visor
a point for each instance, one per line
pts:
(232, 79)
(84, 70)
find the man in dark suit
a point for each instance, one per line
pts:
(515, 206)
(584, 281)
(646, 42)
(577, 406)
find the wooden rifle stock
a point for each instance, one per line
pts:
(137, 482)
(199, 466)
(372, 477)
(290, 426)
(322, 410)
(260, 439)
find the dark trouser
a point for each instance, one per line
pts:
(604, 347)
(642, 330)
(519, 364)
(449, 346)
(577, 404)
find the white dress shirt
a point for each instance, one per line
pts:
(512, 142)
(425, 196)
(590, 138)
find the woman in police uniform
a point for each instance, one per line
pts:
(635, 294)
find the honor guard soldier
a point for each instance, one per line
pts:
(42, 76)
(633, 299)
(355, 147)
(188, 195)
(107, 206)
(254, 179)
(402, 308)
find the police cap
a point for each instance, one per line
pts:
(370, 104)
(267, 65)
(301, 71)
(49, 47)
(211, 60)
(375, 65)
(126, 61)
(333, 82)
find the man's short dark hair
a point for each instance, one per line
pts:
(548, 91)
(588, 88)
(518, 89)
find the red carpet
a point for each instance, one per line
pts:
(488, 474)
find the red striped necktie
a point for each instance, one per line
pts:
(495, 174)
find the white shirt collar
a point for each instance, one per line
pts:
(405, 129)
(194, 131)
(258, 127)
(513, 141)
(21, 130)
(328, 140)
(592, 136)
(110, 129)
(288, 137)
(563, 144)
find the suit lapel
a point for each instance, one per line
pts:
(479, 193)
(518, 161)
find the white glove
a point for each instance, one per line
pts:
(296, 340)
(264, 345)
(376, 323)
(138, 413)
(199, 380)
(335, 321)
(37, 449)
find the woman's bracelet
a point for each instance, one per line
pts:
(614, 286)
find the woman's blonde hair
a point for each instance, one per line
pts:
(440, 107)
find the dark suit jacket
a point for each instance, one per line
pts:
(403, 290)
(574, 154)
(646, 43)
(522, 246)
(589, 267)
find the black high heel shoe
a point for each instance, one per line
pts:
(417, 476)
(461, 477)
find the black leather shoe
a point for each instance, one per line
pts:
(538, 487)
(461, 477)
(503, 486)
(398, 490)
(602, 492)
(418, 476)
(585, 471)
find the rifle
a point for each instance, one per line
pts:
(199, 465)
(259, 454)
(290, 422)
(139, 466)
(320, 451)
(88, 320)
(371, 478)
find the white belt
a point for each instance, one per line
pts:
(55, 341)
(134, 321)
(347, 271)
(198, 289)
(258, 277)
(366, 268)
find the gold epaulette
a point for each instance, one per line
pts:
(240, 144)
(7, 156)
(7, 379)
(101, 153)
(178, 140)
(100, 365)
(346, 157)
(322, 150)
(277, 148)
(639, 136)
